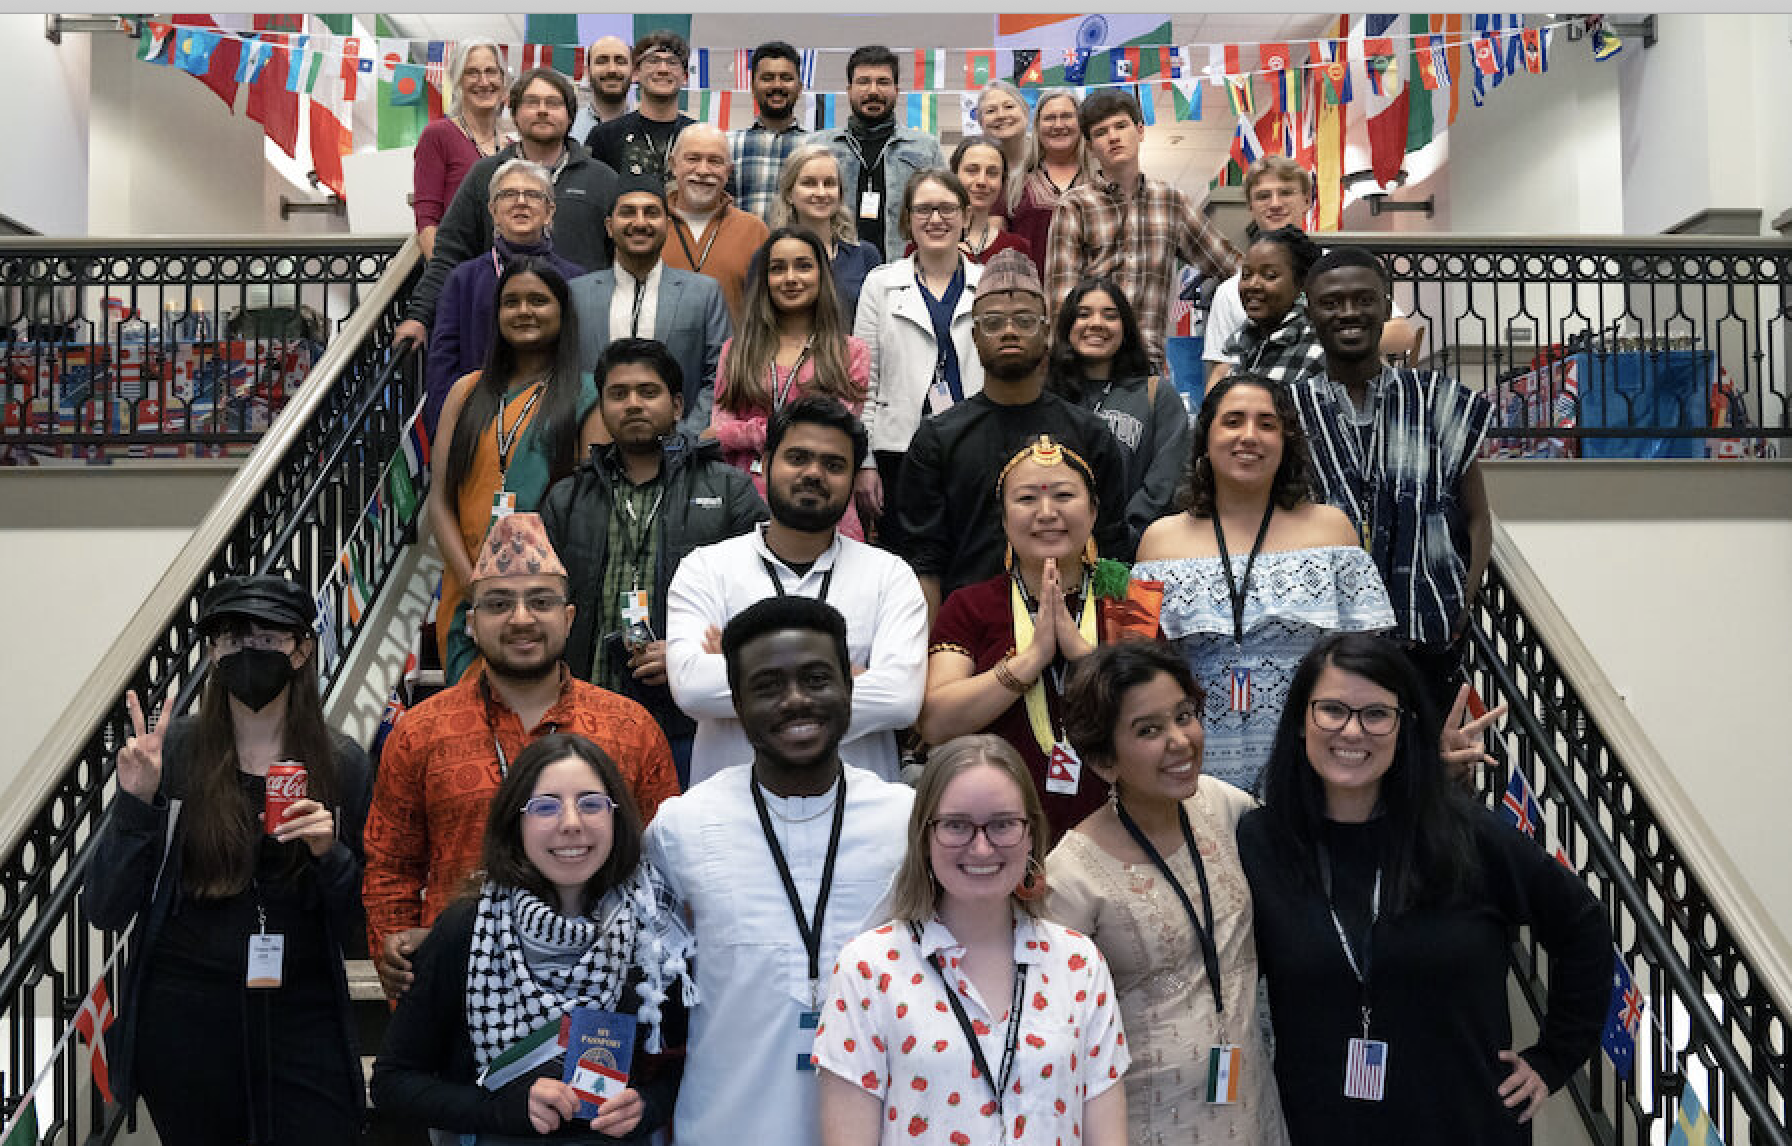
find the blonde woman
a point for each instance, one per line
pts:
(478, 85)
(809, 196)
(1058, 162)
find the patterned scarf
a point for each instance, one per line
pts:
(635, 925)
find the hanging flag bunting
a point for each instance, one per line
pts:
(219, 70)
(713, 108)
(306, 64)
(256, 54)
(416, 449)
(1487, 55)
(92, 1021)
(435, 75)
(827, 111)
(404, 493)
(1175, 63)
(743, 69)
(152, 42)
(1146, 94)
(969, 123)
(1425, 101)
(272, 105)
(1328, 148)
(1186, 93)
(1519, 805)
(1123, 65)
(930, 69)
(193, 52)
(698, 66)
(1247, 144)
(979, 68)
(1605, 42)
(1076, 66)
(923, 112)
(1536, 50)
(1029, 67)
(332, 110)
(1622, 1019)
(1692, 1126)
(807, 68)
(1274, 57)
(354, 586)
(402, 112)
(1385, 108)
(325, 628)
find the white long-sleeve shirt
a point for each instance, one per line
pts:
(886, 636)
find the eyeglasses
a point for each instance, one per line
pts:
(921, 212)
(504, 604)
(1333, 715)
(526, 194)
(551, 103)
(958, 832)
(661, 60)
(549, 807)
(483, 73)
(265, 642)
(1025, 321)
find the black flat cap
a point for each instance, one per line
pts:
(274, 601)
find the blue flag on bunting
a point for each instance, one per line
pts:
(1519, 805)
(193, 51)
(1622, 1019)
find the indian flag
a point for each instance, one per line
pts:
(1054, 33)
(1224, 1067)
(354, 585)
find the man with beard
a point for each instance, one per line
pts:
(541, 103)
(813, 447)
(446, 757)
(758, 152)
(876, 157)
(711, 235)
(626, 518)
(641, 297)
(609, 70)
(1396, 450)
(639, 142)
(780, 858)
(950, 518)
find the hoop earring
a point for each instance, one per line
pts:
(1032, 884)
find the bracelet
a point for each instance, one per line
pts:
(1006, 678)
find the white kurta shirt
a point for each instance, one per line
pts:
(741, 1082)
(886, 636)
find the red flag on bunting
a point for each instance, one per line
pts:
(220, 75)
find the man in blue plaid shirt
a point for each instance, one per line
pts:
(759, 151)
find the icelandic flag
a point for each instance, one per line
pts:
(1519, 805)
(1622, 1019)
(1241, 676)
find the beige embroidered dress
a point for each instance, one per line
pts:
(1166, 1005)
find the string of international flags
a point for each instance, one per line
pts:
(1277, 92)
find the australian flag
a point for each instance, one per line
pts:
(1621, 1021)
(1519, 805)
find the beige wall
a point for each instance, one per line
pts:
(1676, 577)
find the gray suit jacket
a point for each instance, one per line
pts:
(690, 317)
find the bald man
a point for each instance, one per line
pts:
(710, 235)
(609, 70)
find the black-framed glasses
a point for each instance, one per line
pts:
(1333, 715)
(1026, 321)
(923, 211)
(548, 807)
(504, 604)
(958, 832)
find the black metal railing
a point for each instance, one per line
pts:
(1653, 347)
(171, 348)
(1710, 1016)
(291, 510)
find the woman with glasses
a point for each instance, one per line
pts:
(522, 208)
(1098, 361)
(809, 196)
(791, 341)
(969, 1018)
(241, 920)
(1001, 647)
(915, 318)
(512, 429)
(1153, 877)
(1253, 570)
(1387, 901)
(1057, 162)
(449, 147)
(566, 919)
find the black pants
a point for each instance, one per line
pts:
(889, 471)
(1440, 670)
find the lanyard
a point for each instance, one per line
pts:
(634, 318)
(634, 545)
(998, 1084)
(827, 580)
(1360, 967)
(485, 695)
(679, 227)
(781, 387)
(507, 440)
(811, 932)
(1237, 591)
(1204, 935)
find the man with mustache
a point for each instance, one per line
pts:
(758, 152)
(877, 158)
(446, 757)
(814, 446)
(609, 70)
(780, 859)
(710, 235)
(640, 142)
(641, 297)
(626, 518)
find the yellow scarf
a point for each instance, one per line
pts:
(1038, 714)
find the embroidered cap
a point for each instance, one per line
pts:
(1010, 270)
(517, 546)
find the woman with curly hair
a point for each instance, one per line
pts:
(1254, 571)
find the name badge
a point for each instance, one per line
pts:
(806, 1023)
(1064, 771)
(939, 399)
(1225, 1074)
(870, 203)
(503, 504)
(267, 960)
(634, 607)
(1366, 1069)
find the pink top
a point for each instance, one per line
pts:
(442, 159)
(742, 437)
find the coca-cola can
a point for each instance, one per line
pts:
(286, 786)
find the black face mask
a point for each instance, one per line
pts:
(255, 676)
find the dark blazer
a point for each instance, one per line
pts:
(690, 317)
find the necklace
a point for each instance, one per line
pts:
(771, 807)
(478, 145)
(982, 243)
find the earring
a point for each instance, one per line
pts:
(1008, 558)
(1032, 884)
(1090, 556)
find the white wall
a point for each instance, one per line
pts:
(46, 86)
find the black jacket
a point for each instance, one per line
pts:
(706, 500)
(122, 874)
(426, 1074)
(584, 193)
